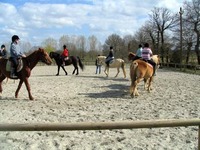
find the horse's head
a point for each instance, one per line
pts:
(44, 57)
(54, 55)
(131, 56)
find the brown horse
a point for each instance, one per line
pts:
(155, 58)
(29, 63)
(139, 69)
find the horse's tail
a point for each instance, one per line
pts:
(80, 63)
(123, 68)
(133, 70)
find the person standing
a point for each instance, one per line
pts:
(65, 54)
(98, 65)
(110, 56)
(3, 52)
(15, 54)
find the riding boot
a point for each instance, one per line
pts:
(107, 63)
(154, 71)
(13, 73)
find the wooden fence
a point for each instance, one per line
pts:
(103, 125)
(181, 66)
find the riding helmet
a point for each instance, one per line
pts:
(3, 46)
(15, 37)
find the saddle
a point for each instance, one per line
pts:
(9, 65)
(146, 62)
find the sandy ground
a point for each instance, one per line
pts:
(94, 98)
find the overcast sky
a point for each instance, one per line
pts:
(35, 21)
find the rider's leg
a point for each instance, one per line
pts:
(14, 68)
(154, 66)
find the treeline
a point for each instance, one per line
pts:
(174, 36)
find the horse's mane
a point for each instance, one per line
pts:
(131, 53)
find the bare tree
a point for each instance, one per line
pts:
(192, 17)
(118, 45)
(162, 19)
(50, 44)
(82, 45)
(64, 40)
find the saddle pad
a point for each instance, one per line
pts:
(19, 67)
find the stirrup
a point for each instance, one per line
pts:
(13, 76)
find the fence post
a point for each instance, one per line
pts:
(199, 139)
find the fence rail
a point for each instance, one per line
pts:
(103, 125)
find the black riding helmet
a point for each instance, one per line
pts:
(146, 45)
(15, 37)
(3, 46)
(64, 46)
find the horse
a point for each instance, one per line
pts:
(72, 60)
(139, 69)
(155, 58)
(29, 63)
(116, 63)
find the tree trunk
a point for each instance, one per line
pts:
(198, 42)
(188, 52)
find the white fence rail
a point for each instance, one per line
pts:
(103, 125)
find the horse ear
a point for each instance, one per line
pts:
(40, 49)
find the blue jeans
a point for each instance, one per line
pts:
(98, 68)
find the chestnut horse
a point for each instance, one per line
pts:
(29, 63)
(139, 69)
(155, 58)
(72, 60)
(116, 63)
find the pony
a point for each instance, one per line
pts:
(29, 63)
(155, 58)
(116, 63)
(139, 69)
(72, 60)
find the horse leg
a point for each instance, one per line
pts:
(135, 91)
(64, 70)
(105, 71)
(18, 88)
(58, 71)
(28, 89)
(77, 71)
(123, 69)
(117, 72)
(149, 86)
(75, 68)
(2, 77)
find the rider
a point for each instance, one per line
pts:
(3, 52)
(139, 52)
(65, 54)
(146, 55)
(15, 54)
(110, 56)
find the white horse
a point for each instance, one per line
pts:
(115, 63)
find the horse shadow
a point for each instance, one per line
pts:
(115, 91)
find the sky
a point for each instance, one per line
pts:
(34, 21)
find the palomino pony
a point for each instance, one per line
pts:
(29, 63)
(155, 58)
(72, 60)
(139, 69)
(116, 63)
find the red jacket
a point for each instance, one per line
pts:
(65, 53)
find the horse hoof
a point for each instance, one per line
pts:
(57, 74)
